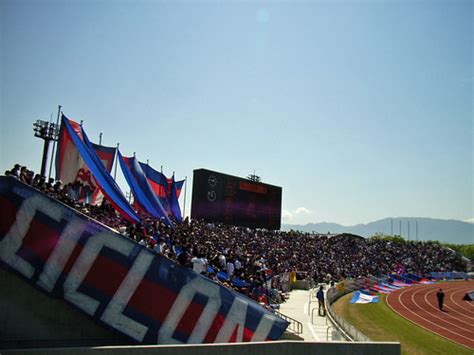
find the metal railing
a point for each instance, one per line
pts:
(311, 296)
(348, 330)
(294, 326)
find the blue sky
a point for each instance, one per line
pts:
(360, 110)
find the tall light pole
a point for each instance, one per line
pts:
(47, 131)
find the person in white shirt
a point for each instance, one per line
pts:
(199, 264)
(237, 264)
(230, 268)
(222, 260)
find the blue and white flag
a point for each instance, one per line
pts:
(360, 297)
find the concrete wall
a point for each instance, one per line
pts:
(30, 318)
(146, 298)
(268, 348)
(300, 285)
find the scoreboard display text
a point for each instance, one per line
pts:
(236, 201)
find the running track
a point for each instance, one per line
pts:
(419, 305)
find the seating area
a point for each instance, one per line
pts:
(256, 262)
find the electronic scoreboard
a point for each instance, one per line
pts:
(236, 201)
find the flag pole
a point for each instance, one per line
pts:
(170, 193)
(185, 185)
(54, 142)
(116, 162)
(100, 138)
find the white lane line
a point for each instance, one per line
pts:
(312, 331)
(424, 319)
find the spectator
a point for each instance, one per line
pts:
(264, 260)
(320, 297)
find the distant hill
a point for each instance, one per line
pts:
(446, 231)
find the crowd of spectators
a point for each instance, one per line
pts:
(75, 195)
(259, 262)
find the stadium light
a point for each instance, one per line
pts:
(254, 178)
(47, 131)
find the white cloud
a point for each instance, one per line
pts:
(286, 215)
(302, 210)
(296, 216)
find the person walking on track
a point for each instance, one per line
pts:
(440, 297)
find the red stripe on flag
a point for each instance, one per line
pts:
(159, 189)
(65, 141)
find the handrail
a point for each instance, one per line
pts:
(327, 331)
(312, 314)
(348, 331)
(310, 298)
(294, 326)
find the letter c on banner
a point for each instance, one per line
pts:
(13, 240)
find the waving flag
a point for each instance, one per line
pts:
(145, 197)
(360, 297)
(71, 168)
(158, 182)
(381, 288)
(167, 190)
(76, 143)
(176, 187)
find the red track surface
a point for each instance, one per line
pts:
(419, 305)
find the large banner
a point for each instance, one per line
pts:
(167, 190)
(71, 168)
(105, 181)
(176, 187)
(117, 282)
(144, 195)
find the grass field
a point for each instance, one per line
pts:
(380, 323)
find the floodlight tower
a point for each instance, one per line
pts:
(254, 178)
(47, 131)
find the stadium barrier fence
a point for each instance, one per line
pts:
(333, 294)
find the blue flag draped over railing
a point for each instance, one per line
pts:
(107, 184)
(145, 197)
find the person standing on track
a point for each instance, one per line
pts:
(440, 297)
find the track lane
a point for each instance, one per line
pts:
(419, 305)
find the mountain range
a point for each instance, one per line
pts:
(446, 231)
